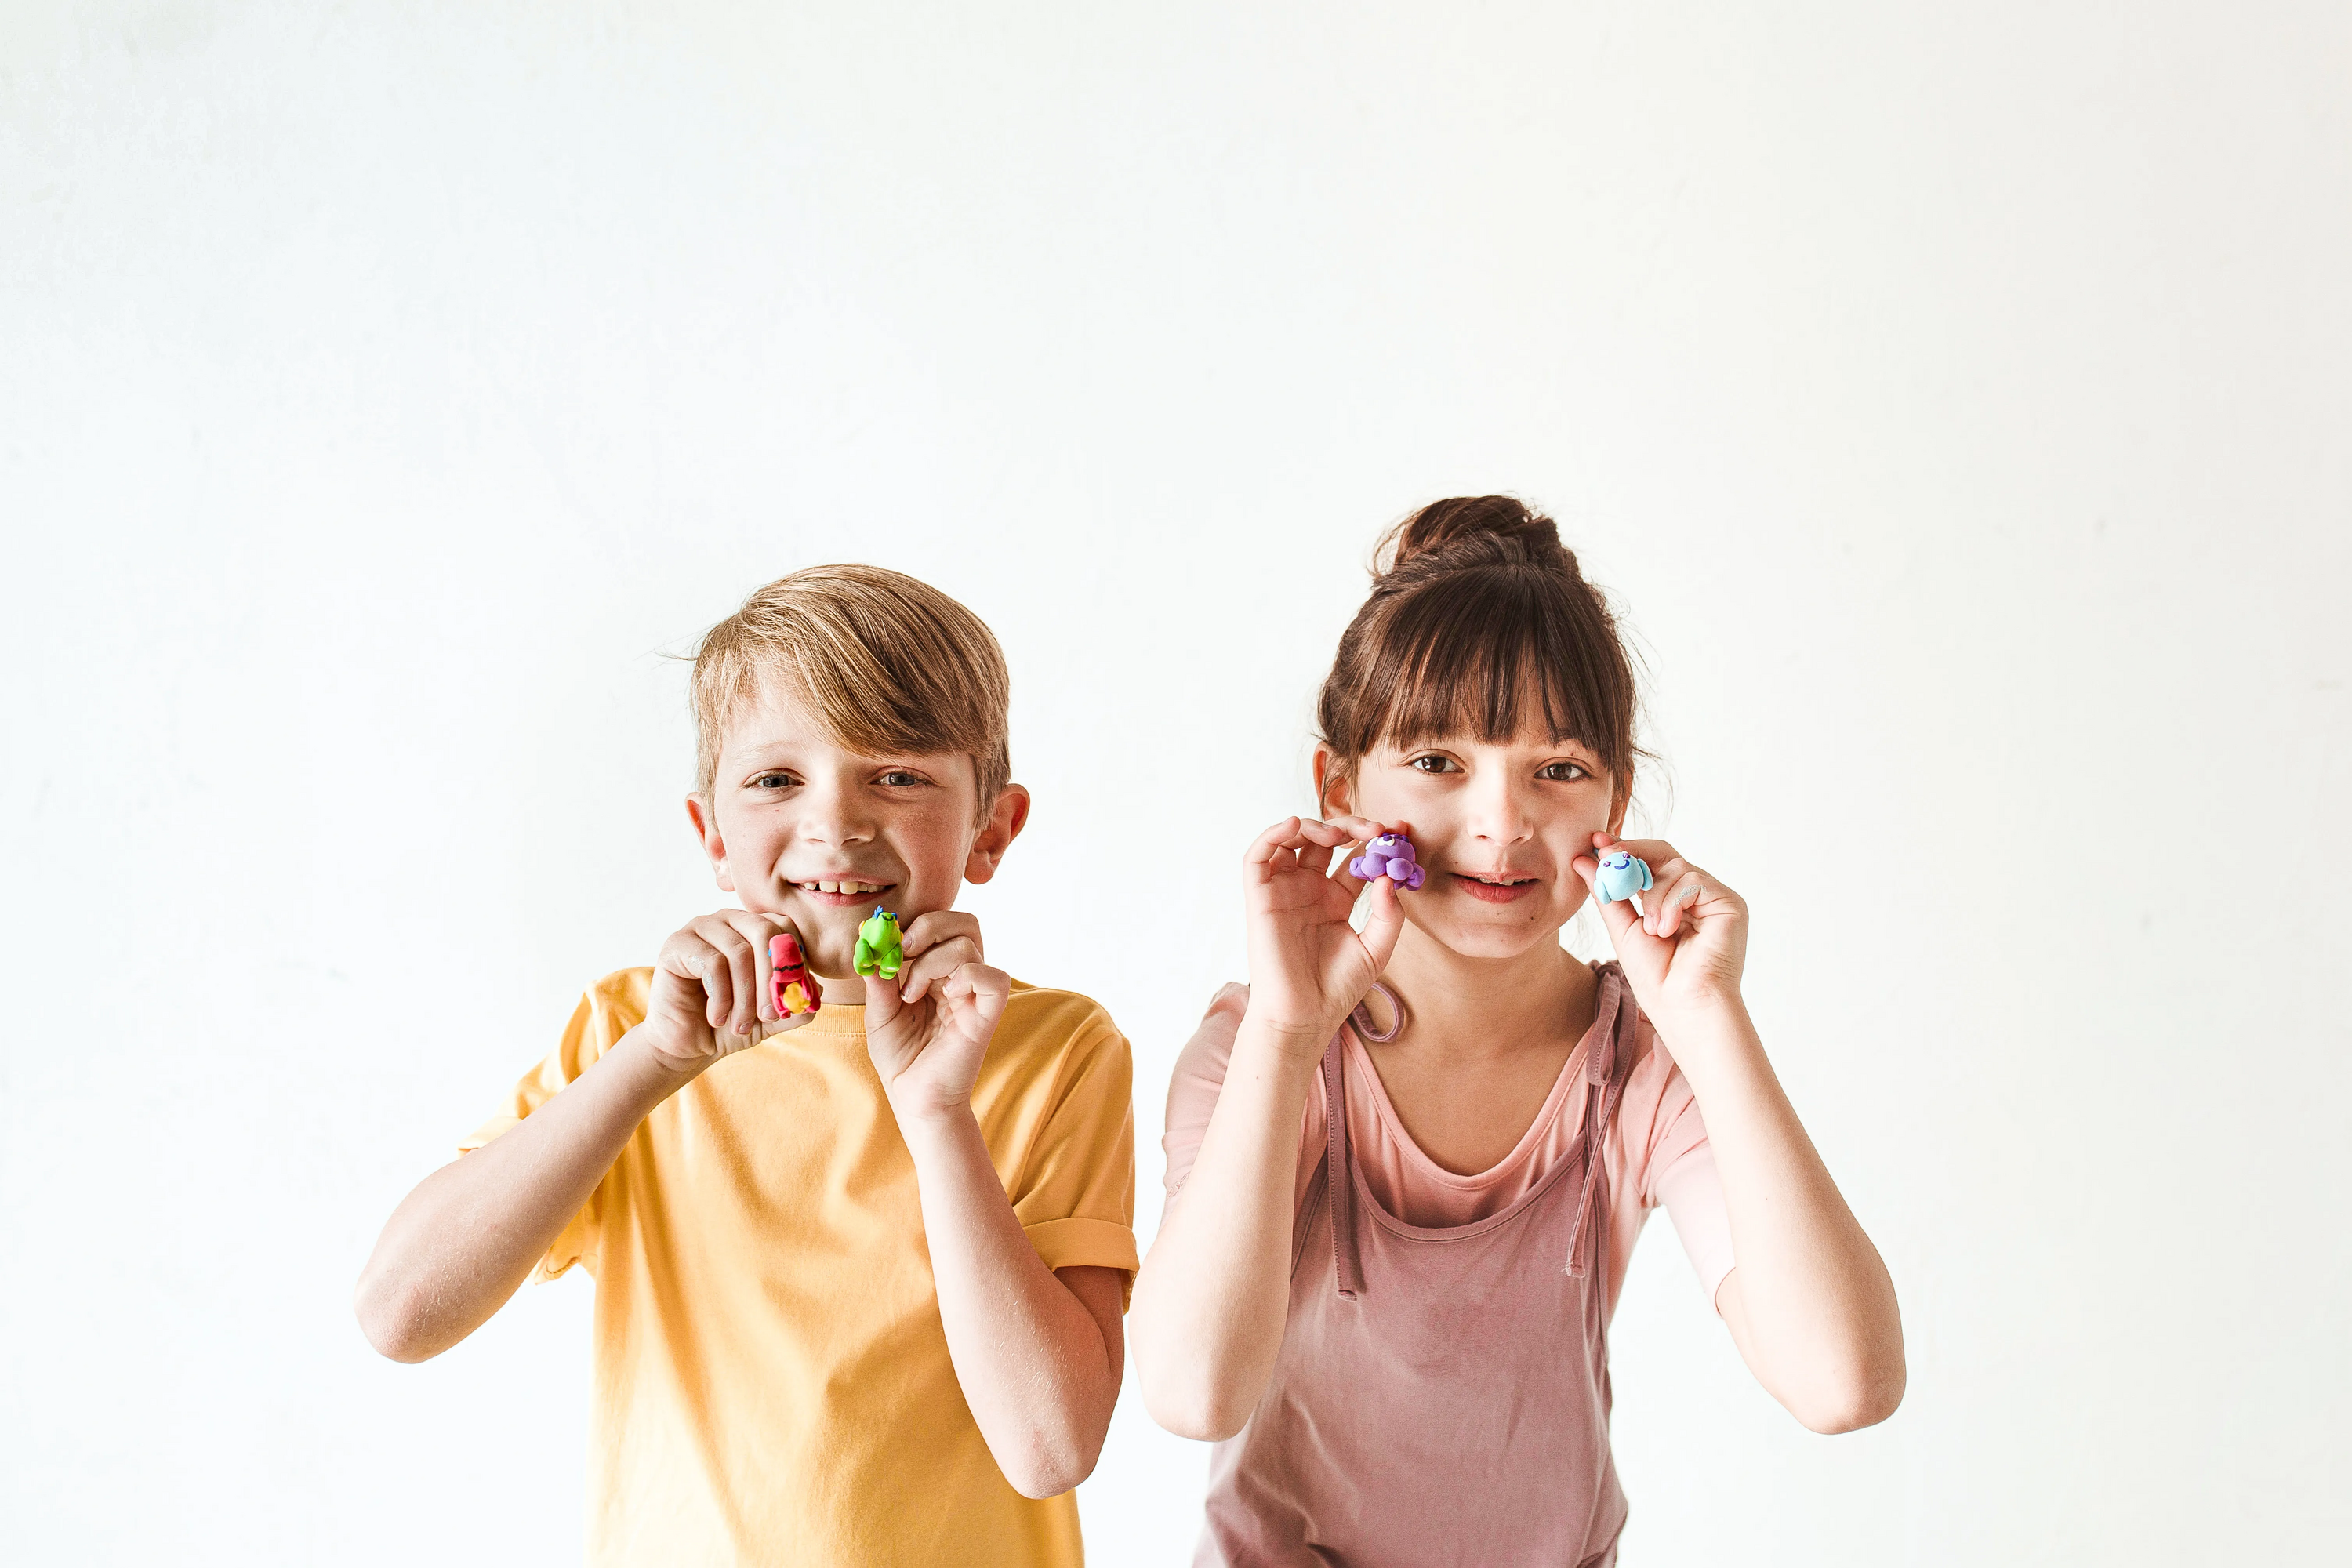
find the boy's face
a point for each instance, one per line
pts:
(798, 826)
(1499, 827)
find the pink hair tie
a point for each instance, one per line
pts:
(1362, 1017)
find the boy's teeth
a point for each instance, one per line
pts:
(845, 887)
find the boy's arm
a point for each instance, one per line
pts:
(1038, 1353)
(460, 1245)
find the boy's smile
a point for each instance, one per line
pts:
(800, 826)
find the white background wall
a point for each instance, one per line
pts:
(1956, 397)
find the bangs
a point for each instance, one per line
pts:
(1493, 654)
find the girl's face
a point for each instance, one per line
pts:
(1497, 826)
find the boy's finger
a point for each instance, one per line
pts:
(940, 926)
(989, 989)
(918, 978)
(709, 965)
(757, 930)
(742, 974)
(883, 1002)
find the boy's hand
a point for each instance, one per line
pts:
(1686, 949)
(1307, 965)
(928, 1030)
(710, 989)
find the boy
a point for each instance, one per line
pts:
(859, 1271)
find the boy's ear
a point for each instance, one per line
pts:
(1332, 796)
(706, 828)
(1005, 820)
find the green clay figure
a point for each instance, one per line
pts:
(878, 945)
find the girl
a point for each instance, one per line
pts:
(1405, 1167)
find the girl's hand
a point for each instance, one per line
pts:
(1308, 967)
(1685, 951)
(709, 996)
(928, 1030)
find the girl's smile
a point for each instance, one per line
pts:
(1493, 890)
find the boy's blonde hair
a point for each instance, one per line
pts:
(888, 664)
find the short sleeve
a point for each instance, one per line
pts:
(1198, 1079)
(611, 1007)
(1075, 1196)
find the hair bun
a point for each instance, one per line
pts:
(1467, 531)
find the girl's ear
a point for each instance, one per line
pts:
(706, 829)
(1332, 796)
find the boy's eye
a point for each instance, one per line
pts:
(899, 778)
(1562, 773)
(1434, 763)
(775, 780)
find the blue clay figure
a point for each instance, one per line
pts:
(1389, 856)
(1621, 876)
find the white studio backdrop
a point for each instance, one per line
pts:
(1955, 397)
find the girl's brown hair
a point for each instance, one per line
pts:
(1480, 624)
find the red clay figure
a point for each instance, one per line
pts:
(791, 986)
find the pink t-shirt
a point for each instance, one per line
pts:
(1656, 1153)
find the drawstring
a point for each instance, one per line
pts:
(1612, 1044)
(1339, 1190)
(1338, 1187)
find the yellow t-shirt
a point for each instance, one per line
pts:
(773, 1382)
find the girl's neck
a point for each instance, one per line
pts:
(1476, 1009)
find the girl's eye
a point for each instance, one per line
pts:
(1434, 763)
(1562, 773)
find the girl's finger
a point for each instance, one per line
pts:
(1385, 925)
(1664, 874)
(1272, 842)
(1674, 901)
(1617, 914)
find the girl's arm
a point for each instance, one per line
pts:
(1214, 1295)
(1809, 1302)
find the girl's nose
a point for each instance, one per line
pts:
(1500, 813)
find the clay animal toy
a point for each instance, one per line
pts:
(1621, 876)
(1389, 856)
(878, 945)
(791, 986)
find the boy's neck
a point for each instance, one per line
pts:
(1473, 1009)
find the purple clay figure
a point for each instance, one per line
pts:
(1389, 856)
